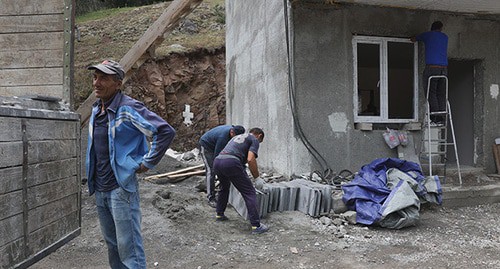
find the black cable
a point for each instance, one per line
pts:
(291, 89)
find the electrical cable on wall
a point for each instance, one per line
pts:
(327, 171)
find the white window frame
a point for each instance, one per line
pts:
(384, 111)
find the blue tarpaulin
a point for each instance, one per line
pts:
(388, 192)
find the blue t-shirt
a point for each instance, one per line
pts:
(216, 138)
(240, 145)
(436, 47)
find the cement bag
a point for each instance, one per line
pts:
(391, 138)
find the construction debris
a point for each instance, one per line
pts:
(178, 175)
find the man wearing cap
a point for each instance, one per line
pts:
(117, 149)
(211, 144)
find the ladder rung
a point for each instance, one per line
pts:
(442, 144)
(435, 153)
(438, 112)
(442, 140)
(439, 127)
(434, 163)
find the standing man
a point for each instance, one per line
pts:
(211, 144)
(436, 63)
(229, 166)
(118, 148)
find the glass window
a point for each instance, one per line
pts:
(385, 74)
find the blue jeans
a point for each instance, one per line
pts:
(120, 218)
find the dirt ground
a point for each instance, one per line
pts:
(180, 232)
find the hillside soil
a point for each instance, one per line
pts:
(188, 69)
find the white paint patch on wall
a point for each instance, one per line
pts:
(476, 155)
(494, 91)
(338, 122)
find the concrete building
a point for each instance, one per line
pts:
(315, 73)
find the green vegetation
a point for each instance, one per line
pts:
(101, 14)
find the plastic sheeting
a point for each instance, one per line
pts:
(388, 192)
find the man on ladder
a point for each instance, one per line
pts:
(436, 64)
(438, 111)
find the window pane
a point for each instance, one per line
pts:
(400, 80)
(368, 79)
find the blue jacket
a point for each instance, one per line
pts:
(216, 139)
(130, 124)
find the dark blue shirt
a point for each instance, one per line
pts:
(240, 145)
(105, 178)
(436, 47)
(216, 139)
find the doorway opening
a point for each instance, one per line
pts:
(461, 95)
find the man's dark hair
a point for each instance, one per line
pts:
(257, 131)
(437, 25)
(238, 129)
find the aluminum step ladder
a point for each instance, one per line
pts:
(434, 146)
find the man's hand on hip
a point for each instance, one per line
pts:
(141, 169)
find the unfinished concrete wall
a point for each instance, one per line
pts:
(257, 80)
(322, 71)
(324, 74)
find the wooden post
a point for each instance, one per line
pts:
(496, 154)
(154, 35)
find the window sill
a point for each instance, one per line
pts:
(366, 126)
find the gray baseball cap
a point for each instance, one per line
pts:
(109, 67)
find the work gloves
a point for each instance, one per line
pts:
(259, 183)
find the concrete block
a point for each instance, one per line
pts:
(236, 200)
(274, 196)
(288, 196)
(308, 199)
(350, 217)
(363, 126)
(262, 203)
(325, 204)
(338, 205)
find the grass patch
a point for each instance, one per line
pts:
(101, 14)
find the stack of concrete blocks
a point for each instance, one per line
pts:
(308, 197)
(236, 200)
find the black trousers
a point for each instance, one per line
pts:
(437, 90)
